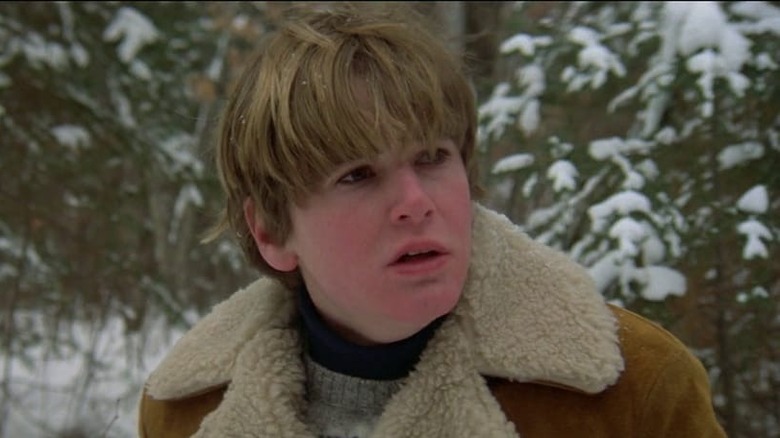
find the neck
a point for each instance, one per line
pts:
(377, 362)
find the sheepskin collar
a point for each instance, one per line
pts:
(527, 313)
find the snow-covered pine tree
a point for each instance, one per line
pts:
(643, 138)
(104, 115)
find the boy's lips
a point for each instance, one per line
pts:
(416, 249)
(419, 257)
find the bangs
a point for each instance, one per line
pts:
(354, 94)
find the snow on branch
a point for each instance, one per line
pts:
(754, 231)
(134, 30)
(512, 163)
(755, 200)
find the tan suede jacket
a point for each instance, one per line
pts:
(531, 350)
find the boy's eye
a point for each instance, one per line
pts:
(356, 175)
(433, 157)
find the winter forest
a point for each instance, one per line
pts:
(641, 138)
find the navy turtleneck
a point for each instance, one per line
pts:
(376, 362)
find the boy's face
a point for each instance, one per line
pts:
(384, 244)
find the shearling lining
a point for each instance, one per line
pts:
(527, 313)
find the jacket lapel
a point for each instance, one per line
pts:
(534, 314)
(445, 396)
(266, 395)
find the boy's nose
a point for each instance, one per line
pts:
(412, 203)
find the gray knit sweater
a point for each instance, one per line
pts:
(342, 406)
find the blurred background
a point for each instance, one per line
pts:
(641, 138)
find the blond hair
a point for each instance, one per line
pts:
(329, 87)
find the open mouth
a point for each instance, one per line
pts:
(417, 256)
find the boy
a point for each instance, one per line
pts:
(393, 305)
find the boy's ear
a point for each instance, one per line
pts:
(278, 256)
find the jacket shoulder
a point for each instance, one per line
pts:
(641, 338)
(663, 391)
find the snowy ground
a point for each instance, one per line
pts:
(84, 382)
